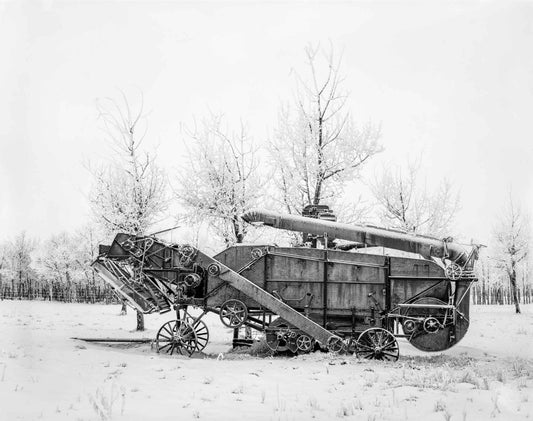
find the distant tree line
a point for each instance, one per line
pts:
(498, 292)
(57, 269)
(57, 291)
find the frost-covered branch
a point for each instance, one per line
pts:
(317, 147)
(220, 180)
(406, 202)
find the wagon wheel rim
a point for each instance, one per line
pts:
(233, 313)
(202, 332)
(186, 339)
(377, 344)
(165, 337)
(177, 337)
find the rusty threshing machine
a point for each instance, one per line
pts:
(327, 295)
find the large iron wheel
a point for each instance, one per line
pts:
(233, 313)
(201, 330)
(177, 336)
(377, 344)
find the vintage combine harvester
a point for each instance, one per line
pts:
(330, 296)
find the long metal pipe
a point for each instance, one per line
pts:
(371, 236)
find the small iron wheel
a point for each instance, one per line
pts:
(177, 336)
(336, 345)
(453, 271)
(431, 325)
(377, 344)
(304, 343)
(233, 313)
(213, 269)
(409, 326)
(257, 253)
(192, 280)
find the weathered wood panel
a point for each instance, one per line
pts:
(344, 296)
(295, 272)
(354, 273)
(402, 266)
(404, 289)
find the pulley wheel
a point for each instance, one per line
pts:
(233, 313)
(453, 271)
(304, 343)
(336, 345)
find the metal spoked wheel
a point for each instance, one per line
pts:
(202, 332)
(233, 313)
(304, 343)
(377, 344)
(454, 271)
(177, 336)
(431, 325)
(336, 345)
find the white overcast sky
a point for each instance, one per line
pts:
(451, 79)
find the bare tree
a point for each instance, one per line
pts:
(129, 194)
(317, 147)
(512, 237)
(220, 180)
(407, 203)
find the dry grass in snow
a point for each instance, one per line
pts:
(46, 375)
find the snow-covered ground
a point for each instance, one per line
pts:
(46, 375)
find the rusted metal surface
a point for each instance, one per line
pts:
(117, 285)
(371, 236)
(268, 301)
